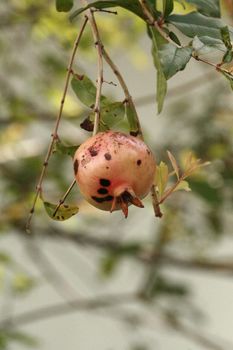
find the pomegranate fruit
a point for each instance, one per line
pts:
(114, 170)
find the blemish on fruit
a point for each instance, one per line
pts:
(108, 156)
(75, 166)
(105, 182)
(102, 199)
(102, 190)
(139, 162)
(93, 151)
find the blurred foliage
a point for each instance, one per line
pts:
(34, 54)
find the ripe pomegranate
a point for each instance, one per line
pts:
(114, 170)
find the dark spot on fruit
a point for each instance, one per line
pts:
(102, 199)
(148, 151)
(93, 151)
(107, 167)
(105, 182)
(108, 156)
(139, 162)
(134, 133)
(75, 166)
(58, 217)
(102, 190)
(62, 217)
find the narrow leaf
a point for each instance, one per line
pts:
(183, 185)
(227, 58)
(64, 212)
(161, 177)
(132, 119)
(167, 7)
(64, 5)
(174, 164)
(157, 41)
(209, 8)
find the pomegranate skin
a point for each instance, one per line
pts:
(114, 170)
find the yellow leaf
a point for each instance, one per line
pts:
(183, 185)
(174, 164)
(161, 177)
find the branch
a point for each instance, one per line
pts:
(142, 254)
(100, 78)
(54, 134)
(63, 308)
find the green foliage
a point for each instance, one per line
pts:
(130, 5)
(195, 23)
(64, 5)
(174, 59)
(63, 149)
(64, 212)
(157, 42)
(167, 7)
(207, 7)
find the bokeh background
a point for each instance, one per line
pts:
(98, 281)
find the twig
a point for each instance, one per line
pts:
(54, 134)
(128, 97)
(60, 309)
(156, 203)
(144, 255)
(100, 79)
(62, 200)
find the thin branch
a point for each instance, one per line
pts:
(54, 134)
(100, 79)
(144, 255)
(62, 200)
(62, 308)
(128, 97)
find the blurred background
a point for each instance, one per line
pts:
(98, 281)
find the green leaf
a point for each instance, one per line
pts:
(110, 115)
(174, 59)
(131, 5)
(157, 41)
(85, 90)
(61, 148)
(64, 5)
(132, 119)
(205, 45)
(226, 37)
(209, 8)
(183, 185)
(195, 23)
(167, 7)
(64, 212)
(161, 177)
(227, 58)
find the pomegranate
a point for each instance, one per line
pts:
(114, 170)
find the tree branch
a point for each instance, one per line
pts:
(54, 134)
